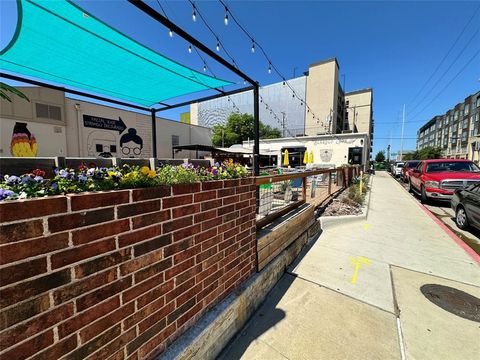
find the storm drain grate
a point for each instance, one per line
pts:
(453, 300)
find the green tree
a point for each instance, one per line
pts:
(429, 152)
(239, 127)
(380, 157)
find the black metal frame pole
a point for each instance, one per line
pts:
(154, 133)
(179, 31)
(256, 130)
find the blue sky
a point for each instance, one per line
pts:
(390, 46)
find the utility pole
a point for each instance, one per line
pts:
(401, 138)
(223, 138)
(283, 123)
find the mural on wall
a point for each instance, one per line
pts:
(103, 142)
(23, 142)
(131, 143)
(326, 155)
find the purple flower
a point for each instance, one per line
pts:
(26, 179)
(82, 178)
(215, 172)
(54, 186)
(12, 180)
(63, 173)
(38, 179)
(5, 193)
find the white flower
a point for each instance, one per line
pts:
(23, 195)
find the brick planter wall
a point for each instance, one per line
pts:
(119, 273)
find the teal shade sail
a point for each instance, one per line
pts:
(59, 42)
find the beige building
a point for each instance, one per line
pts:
(359, 113)
(330, 110)
(325, 99)
(51, 124)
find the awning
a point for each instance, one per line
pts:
(60, 42)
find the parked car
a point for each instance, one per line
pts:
(439, 178)
(466, 204)
(408, 168)
(397, 169)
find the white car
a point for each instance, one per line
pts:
(397, 168)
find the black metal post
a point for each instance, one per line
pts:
(154, 134)
(189, 38)
(256, 130)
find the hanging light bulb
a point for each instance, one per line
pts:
(218, 45)
(293, 95)
(225, 19)
(204, 67)
(253, 46)
(283, 82)
(190, 49)
(170, 33)
(194, 14)
(269, 68)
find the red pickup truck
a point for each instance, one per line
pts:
(439, 178)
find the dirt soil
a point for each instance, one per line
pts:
(342, 205)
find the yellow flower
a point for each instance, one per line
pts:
(145, 170)
(111, 173)
(151, 173)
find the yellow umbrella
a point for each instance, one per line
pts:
(285, 158)
(310, 158)
(305, 157)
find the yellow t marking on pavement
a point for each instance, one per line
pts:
(366, 226)
(357, 262)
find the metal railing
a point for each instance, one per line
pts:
(279, 194)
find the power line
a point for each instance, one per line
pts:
(447, 54)
(447, 70)
(448, 84)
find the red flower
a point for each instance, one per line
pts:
(83, 167)
(38, 172)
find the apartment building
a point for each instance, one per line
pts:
(457, 132)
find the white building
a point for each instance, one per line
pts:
(51, 124)
(328, 150)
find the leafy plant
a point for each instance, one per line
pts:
(4, 89)
(86, 178)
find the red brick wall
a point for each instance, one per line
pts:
(120, 273)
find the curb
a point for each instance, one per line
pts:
(327, 222)
(470, 252)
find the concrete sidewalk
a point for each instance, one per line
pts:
(324, 309)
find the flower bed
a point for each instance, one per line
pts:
(94, 178)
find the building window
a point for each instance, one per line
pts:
(465, 111)
(113, 148)
(175, 140)
(477, 103)
(51, 112)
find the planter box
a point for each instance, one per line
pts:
(120, 272)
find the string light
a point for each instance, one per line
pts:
(204, 67)
(218, 45)
(190, 49)
(253, 46)
(194, 13)
(269, 68)
(225, 19)
(170, 33)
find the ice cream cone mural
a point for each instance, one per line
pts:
(23, 142)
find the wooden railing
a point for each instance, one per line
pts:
(313, 187)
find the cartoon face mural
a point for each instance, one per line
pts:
(131, 143)
(101, 144)
(23, 142)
